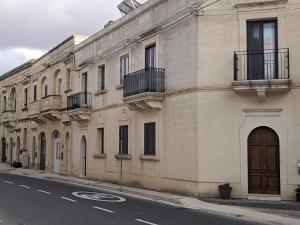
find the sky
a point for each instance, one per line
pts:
(29, 28)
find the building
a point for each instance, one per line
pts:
(180, 96)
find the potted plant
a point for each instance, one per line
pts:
(298, 193)
(225, 191)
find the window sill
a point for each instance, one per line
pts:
(120, 86)
(68, 90)
(100, 92)
(149, 158)
(99, 156)
(25, 109)
(123, 157)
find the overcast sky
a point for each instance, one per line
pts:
(28, 28)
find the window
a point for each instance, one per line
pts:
(4, 103)
(69, 86)
(149, 139)
(101, 78)
(123, 140)
(34, 93)
(100, 140)
(46, 91)
(124, 67)
(59, 87)
(150, 56)
(84, 82)
(25, 98)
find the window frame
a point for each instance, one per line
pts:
(45, 91)
(59, 86)
(25, 98)
(123, 142)
(68, 83)
(100, 146)
(101, 78)
(126, 66)
(5, 103)
(34, 93)
(150, 139)
(147, 57)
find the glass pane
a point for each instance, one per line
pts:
(269, 53)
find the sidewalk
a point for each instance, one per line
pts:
(245, 209)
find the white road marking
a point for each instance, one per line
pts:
(9, 182)
(45, 192)
(68, 199)
(105, 210)
(145, 222)
(96, 196)
(24, 186)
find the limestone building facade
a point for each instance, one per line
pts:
(180, 96)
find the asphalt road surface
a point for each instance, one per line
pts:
(29, 201)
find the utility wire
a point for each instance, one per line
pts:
(210, 4)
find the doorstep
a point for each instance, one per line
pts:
(262, 197)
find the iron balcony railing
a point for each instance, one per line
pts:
(79, 100)
(146, 80)
(261, 64)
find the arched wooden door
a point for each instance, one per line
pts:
(18, 150)
(3, 141)
(42, 151)
(11, 149)
(83, 157)
(56, 151)
(263, 162)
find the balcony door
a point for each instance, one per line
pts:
(150, 56)
(150, 79)
(84, 87)
(262, 50)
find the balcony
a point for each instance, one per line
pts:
(144, 89)
(79, 106)
(51, 107)
(261, 72)
(8, 115)
(8, 119)
(34, 112)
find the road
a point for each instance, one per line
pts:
(30, 201)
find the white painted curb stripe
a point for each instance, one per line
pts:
(24, 186)
(68, 199)
(146, 222)
(105, 210)
(45, 192)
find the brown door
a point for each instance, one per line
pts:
(263, 162)
(43, 153)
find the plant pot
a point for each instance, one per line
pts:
(298, 196)
(225, 194)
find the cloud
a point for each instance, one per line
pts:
(35, 25)
(29, 53)
(10, 59)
